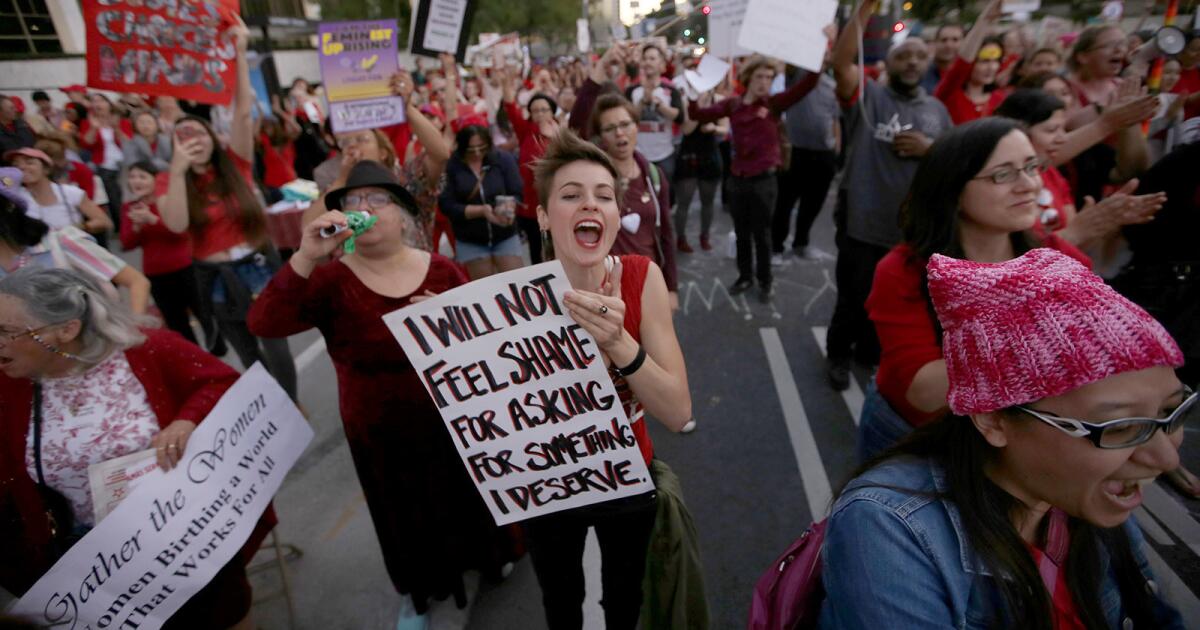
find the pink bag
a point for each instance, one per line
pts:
(788, 596)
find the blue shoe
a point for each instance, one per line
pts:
(409, 618)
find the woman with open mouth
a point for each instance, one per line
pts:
(1013, 510)
(622, 302)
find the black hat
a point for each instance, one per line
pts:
(374, 174)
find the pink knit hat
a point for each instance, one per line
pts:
(1036, 326)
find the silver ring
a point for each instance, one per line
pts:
(170, 446)
(603, 309)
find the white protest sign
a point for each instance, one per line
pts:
(172, 534)
(708, 74)
(724, 25)
(113, 480)
(440, 26)
(583, 35)
(524, 394)
(1021, 6)
(790, 30)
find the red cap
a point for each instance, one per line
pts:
(18, 103)
(36, 154)
(73, 88)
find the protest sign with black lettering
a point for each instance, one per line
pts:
(440, 26)
(172, 534)
(182, 48)
(358, 60)
(524, 393)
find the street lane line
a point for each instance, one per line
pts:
(310, 354)
(854, 394)
(593, 613)
(1172, 588)
(808, 457)
(1174, 516)
(1151, 528)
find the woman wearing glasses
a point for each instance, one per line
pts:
(1013, 509)
(974, 196)
(432, 524)
(482, 188)
(82, 382)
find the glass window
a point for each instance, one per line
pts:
(26, 27)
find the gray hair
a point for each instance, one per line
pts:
(56, 296)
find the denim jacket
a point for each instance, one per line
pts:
(901, 560)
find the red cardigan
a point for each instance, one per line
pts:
(908, 340)
(97, 147)
(951, 92)
(182, 382)
(533, 147)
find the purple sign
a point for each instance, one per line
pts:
(358, 60)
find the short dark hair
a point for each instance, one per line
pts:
(40, 96)
(542, 97)
(19, 229)
(929, 217)
(145, 166)
(1038, 81)
(611, 100)
(1030, 106)
(938, 32)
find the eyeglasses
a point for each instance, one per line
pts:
(624, 126)
(1122, 432)
(7, 338)
(1008, 174)
(356, 140)
(374, 201)
(477, 150)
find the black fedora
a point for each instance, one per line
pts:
(373, 174)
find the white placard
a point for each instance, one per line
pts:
(583, 36)
(708, 74)
(168, 538)
(791, 30)
(115, 479)
(724, 25)
(1020, 6)
(445, 25)
(524, 394)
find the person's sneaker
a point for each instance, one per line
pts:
(689, 427)
(740, 286)
(838, 371)
(765, 293)
(776, 260)
(409, 618)
(808, 252)
(704, 243)
(684, 247)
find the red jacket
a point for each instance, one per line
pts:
(533, 147)
(182, 382)
(125, 132)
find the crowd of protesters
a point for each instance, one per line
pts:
(1012, 225)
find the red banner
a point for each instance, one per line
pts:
(181, 48)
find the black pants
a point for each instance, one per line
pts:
(112, 187)
(533, 236)
(556, 542)
(175, 294)
(752, 202)
(851, 333)
(808, 181)
(274, 353)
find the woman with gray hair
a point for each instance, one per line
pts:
(82, 382)
(432, 524)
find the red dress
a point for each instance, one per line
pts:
(951, 91)
(431, 522)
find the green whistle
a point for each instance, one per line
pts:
(358, 222)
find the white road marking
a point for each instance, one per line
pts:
(808, 457)
(1173, 515)
(1151, 528)
(854, 394)
(593, 613)
(1172, 588)
(310, 354)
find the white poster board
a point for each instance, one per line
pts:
(524, 394)
(172, 534)
(724, 26)
(441, 26)
(791, 30)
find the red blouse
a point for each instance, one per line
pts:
(950, 91)
(222, 230)
(182, 382)
(533, 147)
(163, 251)
(633, 279)
(907, 337)
(278, 162)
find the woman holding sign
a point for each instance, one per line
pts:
(624, 305)
(81, 382)
(209, 192)
(431, 522)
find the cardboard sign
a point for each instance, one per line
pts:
(724, 27)
(524, 394)
(182, 49)
(357, 61)
(790, 30)
(171, 535)
(440, 26)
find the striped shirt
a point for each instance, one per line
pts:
(80, 253)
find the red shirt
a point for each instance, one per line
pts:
(83, 177)
(1189, 81)
(907, 337)
(755, 126)
(533, 147)
(278, 162)
(654, 237)
(97, 147)
(222, 230)
(950, 91)
(163, 251)
(633, 279)
(400, 135)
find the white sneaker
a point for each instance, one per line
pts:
(689, 427)
(808, 252)
(776, 260)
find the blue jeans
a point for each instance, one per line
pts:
(880, 427)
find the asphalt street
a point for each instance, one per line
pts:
(773, 444)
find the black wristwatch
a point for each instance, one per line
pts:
(635, 364)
